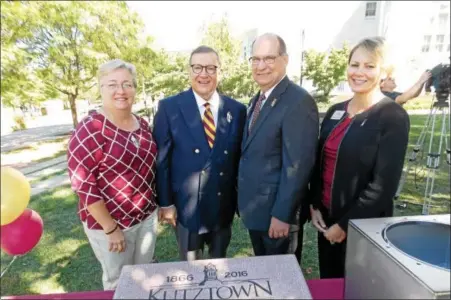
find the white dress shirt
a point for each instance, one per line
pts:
(214, 105)
(268, 92)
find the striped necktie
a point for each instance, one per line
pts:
(209, 125)
(256, 112)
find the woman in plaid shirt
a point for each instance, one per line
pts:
(111, 161)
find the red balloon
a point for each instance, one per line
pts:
(21, 236)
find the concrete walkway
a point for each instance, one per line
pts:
(40, 168)
(49, 184)
(47, 168)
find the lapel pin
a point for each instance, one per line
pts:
(229, 117)
(273, 102)
(363, 123)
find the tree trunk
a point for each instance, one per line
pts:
(73, 109)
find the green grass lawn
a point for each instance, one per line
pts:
(63, 260)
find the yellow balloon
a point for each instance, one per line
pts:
(15, 194)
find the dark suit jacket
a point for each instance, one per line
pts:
(199, 181)
(277, 157)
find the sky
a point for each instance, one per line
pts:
(176, 25)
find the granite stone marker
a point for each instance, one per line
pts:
(263, 277)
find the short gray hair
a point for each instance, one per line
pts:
(203, 49)
(115, 64)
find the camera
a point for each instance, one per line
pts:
(440, 80)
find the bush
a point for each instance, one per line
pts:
(19, 123)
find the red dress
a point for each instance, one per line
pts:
(116, 166)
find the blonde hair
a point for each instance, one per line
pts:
(115, 64)
(377, 47)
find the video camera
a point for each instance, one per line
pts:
(440, 80)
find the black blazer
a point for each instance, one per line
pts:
(277, 157)
(369, 162)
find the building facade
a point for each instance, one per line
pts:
(417, 33)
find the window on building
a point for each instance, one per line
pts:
(439, 41)
(426, 43)
(370, 10)
(443, 20)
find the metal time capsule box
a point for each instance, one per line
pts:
(398, 258)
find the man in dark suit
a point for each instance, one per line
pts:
(198, 133)
(278, 150)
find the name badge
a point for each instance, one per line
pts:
(337, 115)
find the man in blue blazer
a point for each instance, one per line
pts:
(278, 150)
(198, 133)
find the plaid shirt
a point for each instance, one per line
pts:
(116, 166)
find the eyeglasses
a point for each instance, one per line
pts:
(126, 86)
(269, 60)
(210, 69)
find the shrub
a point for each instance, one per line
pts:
(19, 123)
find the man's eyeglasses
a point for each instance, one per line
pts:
(126, 86)
(269, 60)
(210, 69)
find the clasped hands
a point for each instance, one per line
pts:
(167, 215)
(334, 234)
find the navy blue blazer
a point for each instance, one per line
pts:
(199, 181)
(277, 157)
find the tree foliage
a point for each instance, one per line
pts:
(326, 70)
(236, 79)
(52, 49)
(16, 77)
(60, 44)
(170, 75)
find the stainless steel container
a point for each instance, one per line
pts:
(398, 258)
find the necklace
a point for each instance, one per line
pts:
(134, 140)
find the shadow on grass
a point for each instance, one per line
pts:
(62, 261)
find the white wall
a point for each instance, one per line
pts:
(408, 23)
(326, 24)
(357, 26)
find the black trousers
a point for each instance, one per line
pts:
(297, 233)
(264, 245)
(191, 244)
(331, 257)
(296, 241)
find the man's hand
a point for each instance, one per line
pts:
(167, 215)
(317, 219)
(278, 229)
(335, 234)
(424, 77)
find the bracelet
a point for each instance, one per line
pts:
(114, 229)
